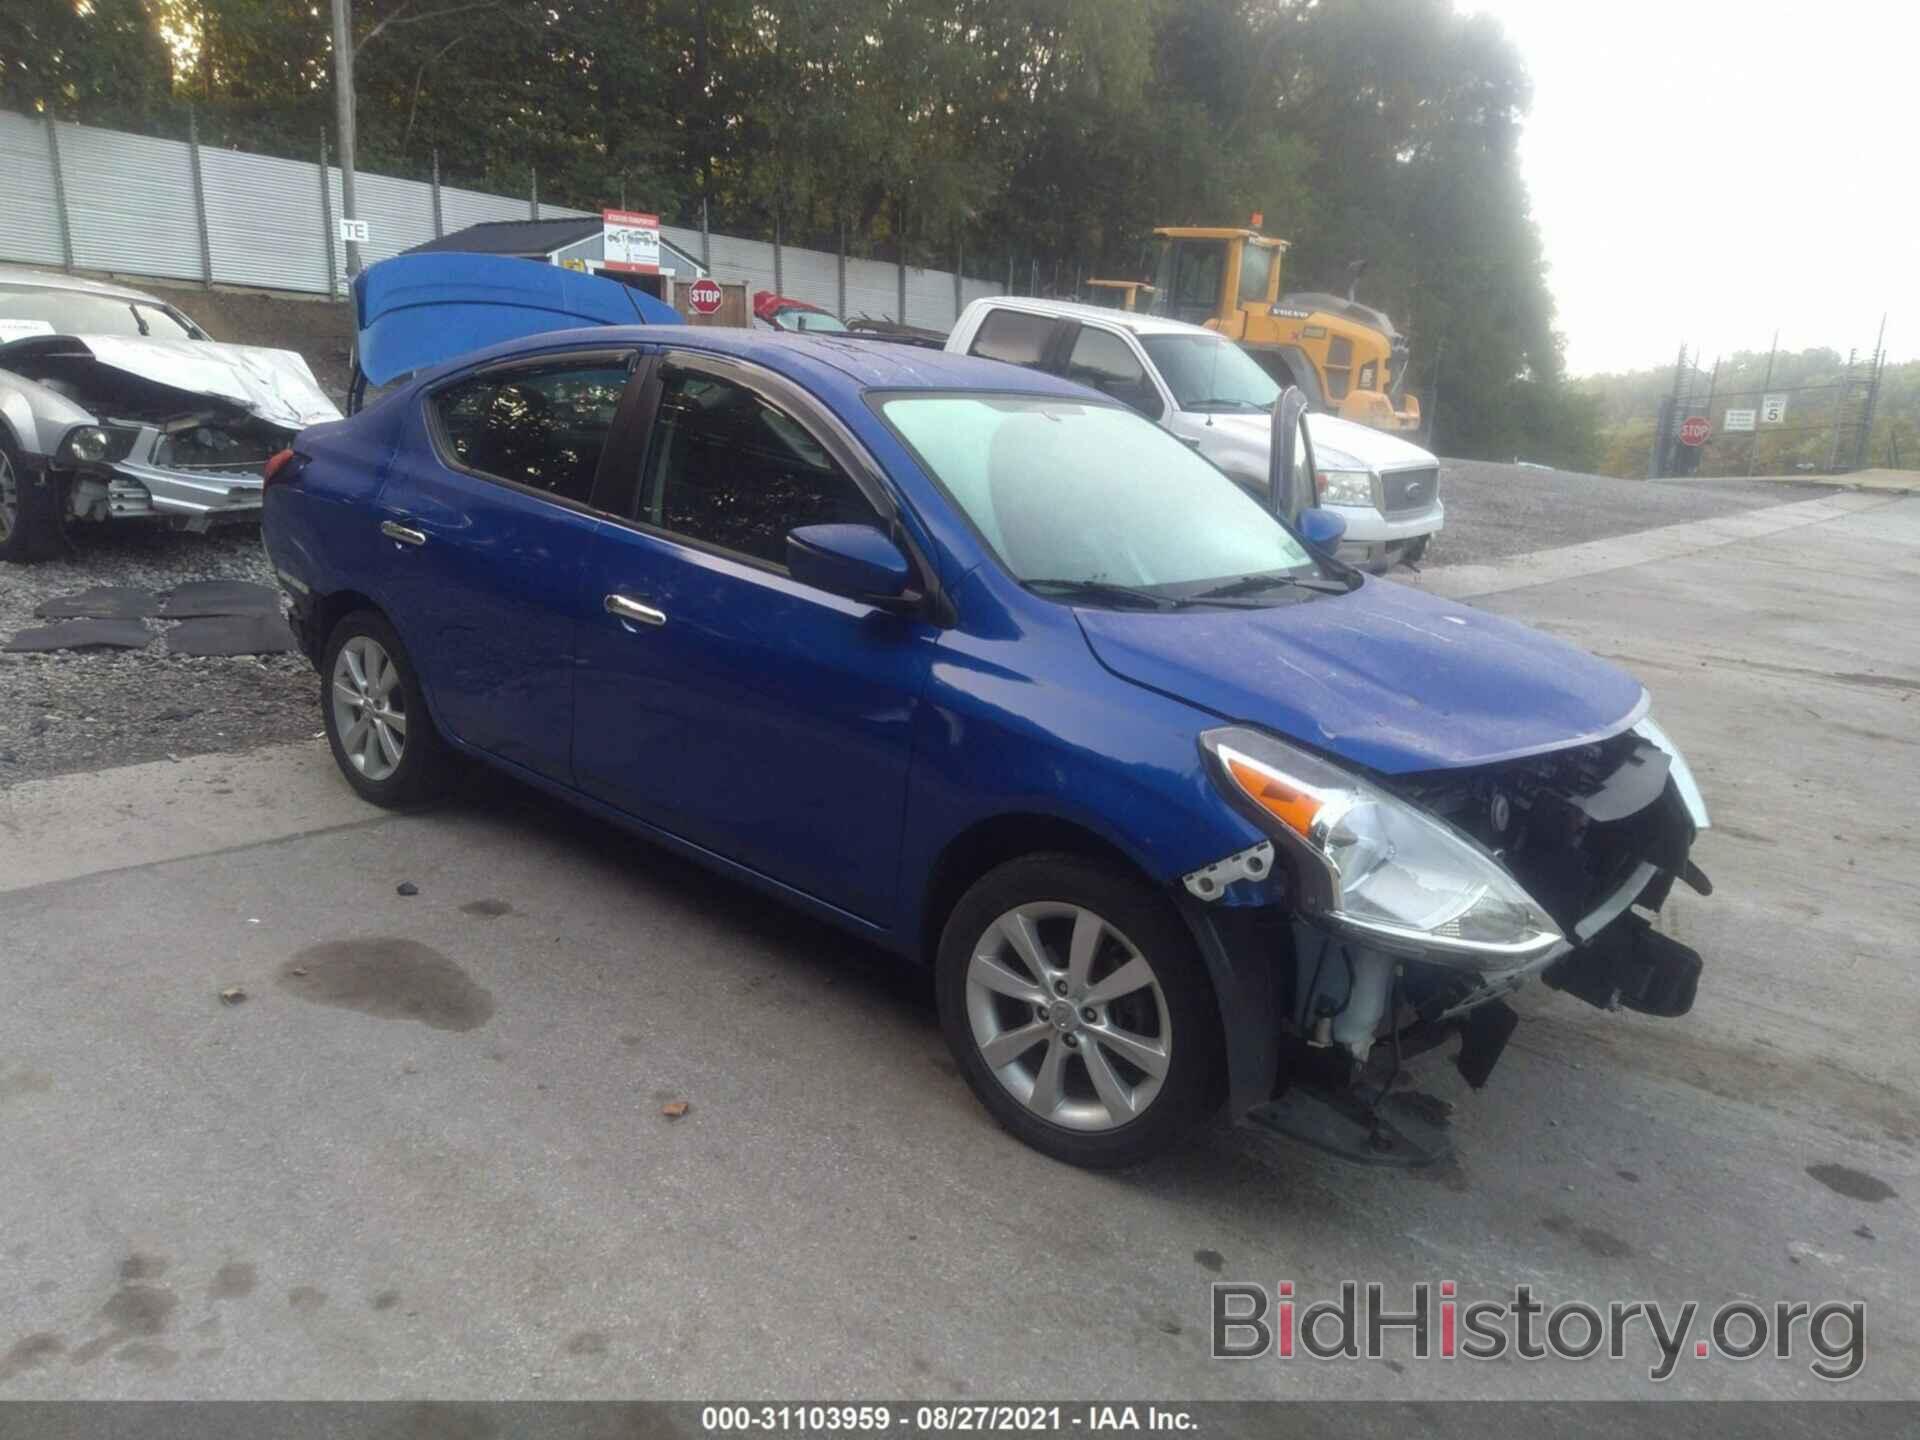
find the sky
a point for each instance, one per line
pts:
(1710, 170)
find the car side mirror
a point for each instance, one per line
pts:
(1322, 529)
(856, 561)
(1290, 456)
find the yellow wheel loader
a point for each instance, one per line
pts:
(1345, 355)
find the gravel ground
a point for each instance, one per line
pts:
(93, 709)
(1495, 510)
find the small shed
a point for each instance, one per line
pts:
(576, 242)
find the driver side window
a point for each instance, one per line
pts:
(729, 470)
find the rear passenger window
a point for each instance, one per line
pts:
(1104, 361)
(543, 429)
(1013, 336)
(729, 470)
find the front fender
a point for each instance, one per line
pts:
(38, 417)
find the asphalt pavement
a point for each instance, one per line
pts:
(422, 1151)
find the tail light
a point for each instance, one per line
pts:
(279, 467)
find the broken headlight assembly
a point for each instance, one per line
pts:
(1374, 865)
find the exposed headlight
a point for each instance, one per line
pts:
(1678, 771)
(85, 444)
(1344, 487)
(1392, 873)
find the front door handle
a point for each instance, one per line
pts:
(627, 608)
(394, 530)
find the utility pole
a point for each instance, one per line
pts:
(343, 121)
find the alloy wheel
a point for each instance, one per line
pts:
(369, 707)
(1069, 1016)
(9, 498)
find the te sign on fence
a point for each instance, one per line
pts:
(354, 232)
(630, 241)
(1695, 429)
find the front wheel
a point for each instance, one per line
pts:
(31, 523)
(376, 716)
(1079, 1010)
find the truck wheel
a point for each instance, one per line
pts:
(31, 525)
(382, 737)
(1079, 1010)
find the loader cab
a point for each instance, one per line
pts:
(1213, 276)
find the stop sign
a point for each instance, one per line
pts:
(1694, 430)
(705, 296)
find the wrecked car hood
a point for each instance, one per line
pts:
(273, 385)
(1386, 677)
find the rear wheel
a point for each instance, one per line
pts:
(377, 723)
(1078, 1009)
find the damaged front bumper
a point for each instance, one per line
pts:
(138, 485)
(1322, 1019)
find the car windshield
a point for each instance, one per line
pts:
(46, 310)
(1208, 373)
(1070, 494)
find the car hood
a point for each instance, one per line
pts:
(273, 385)
(1337, 444)
(1385, 677)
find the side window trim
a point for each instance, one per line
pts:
(442, 445)
(826, 430)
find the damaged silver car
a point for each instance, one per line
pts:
(115, 406)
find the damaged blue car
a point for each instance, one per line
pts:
(1183, 813)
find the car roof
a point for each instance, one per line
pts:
(55, 280)
(1074, 310)
(822, 359)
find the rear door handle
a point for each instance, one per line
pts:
(628, 608)
(394, 530)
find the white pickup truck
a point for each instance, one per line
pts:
(1210, 393)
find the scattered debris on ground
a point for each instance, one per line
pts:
(127, 699)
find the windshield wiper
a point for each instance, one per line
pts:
(1104, 590)
(1216, 402)
(1254, 584)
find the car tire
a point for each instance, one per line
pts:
(377, 724)
(1047, 1092)
(31, 525)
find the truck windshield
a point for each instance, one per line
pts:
(1208, 373)
(47, 310)
(1072, 495)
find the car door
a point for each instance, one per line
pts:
(720, 699)
(487, 519)
(1106, 361)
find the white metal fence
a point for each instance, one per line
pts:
(81, 198)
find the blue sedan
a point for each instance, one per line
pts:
(998, 675)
